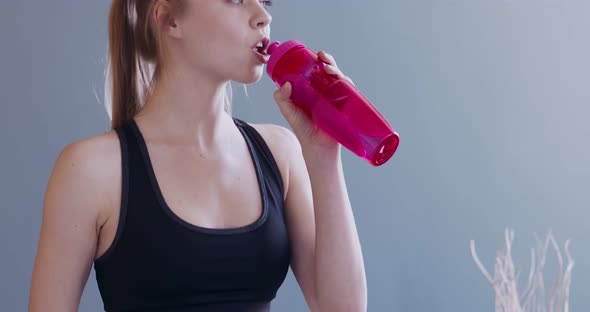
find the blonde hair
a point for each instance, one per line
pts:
(133, 62)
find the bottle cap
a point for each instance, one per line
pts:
(277, 50)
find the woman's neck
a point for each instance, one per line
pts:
(187, 109)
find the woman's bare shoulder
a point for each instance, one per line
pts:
(281, 140)
(93, 166)
(95, 156)
(283, 144)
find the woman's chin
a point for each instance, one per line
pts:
(253, 76)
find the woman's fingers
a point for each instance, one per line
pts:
(333, 70)
(331, 67)
(328, 58)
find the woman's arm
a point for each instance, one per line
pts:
(328, 267)
(69, 232)
(338, 268)
(327, 259)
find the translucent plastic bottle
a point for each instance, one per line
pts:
(335, 105)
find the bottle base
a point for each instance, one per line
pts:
(385, 150)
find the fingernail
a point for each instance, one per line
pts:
(284, 88)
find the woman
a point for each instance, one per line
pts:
(181, 207)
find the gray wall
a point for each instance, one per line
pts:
(490, 98)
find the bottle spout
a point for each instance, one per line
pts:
(272, 47)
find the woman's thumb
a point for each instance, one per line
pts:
(286, 91)
(282, 96)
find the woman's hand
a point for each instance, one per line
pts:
(309, 135)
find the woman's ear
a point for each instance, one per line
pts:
(165, 19)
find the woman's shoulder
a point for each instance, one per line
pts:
(283, 145)
(89, 168)
(93, 154)
(281, 140)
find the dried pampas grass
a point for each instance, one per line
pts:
(512, 298)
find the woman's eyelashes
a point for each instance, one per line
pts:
(265, 3)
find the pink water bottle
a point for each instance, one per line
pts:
(335, 105)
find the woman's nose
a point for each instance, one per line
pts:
(262, 18)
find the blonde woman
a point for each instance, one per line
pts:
(182, 207)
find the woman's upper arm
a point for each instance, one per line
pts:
(301, 223)
(68, 239)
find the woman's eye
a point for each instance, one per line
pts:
(265, 3)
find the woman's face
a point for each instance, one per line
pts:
(219, 36)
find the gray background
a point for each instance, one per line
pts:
(490, 98)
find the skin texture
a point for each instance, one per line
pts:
(194, 145)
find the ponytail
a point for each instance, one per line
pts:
(133, 57)
(122, 65)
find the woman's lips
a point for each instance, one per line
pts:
(262, 57)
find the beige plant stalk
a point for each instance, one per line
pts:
(512, 298)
